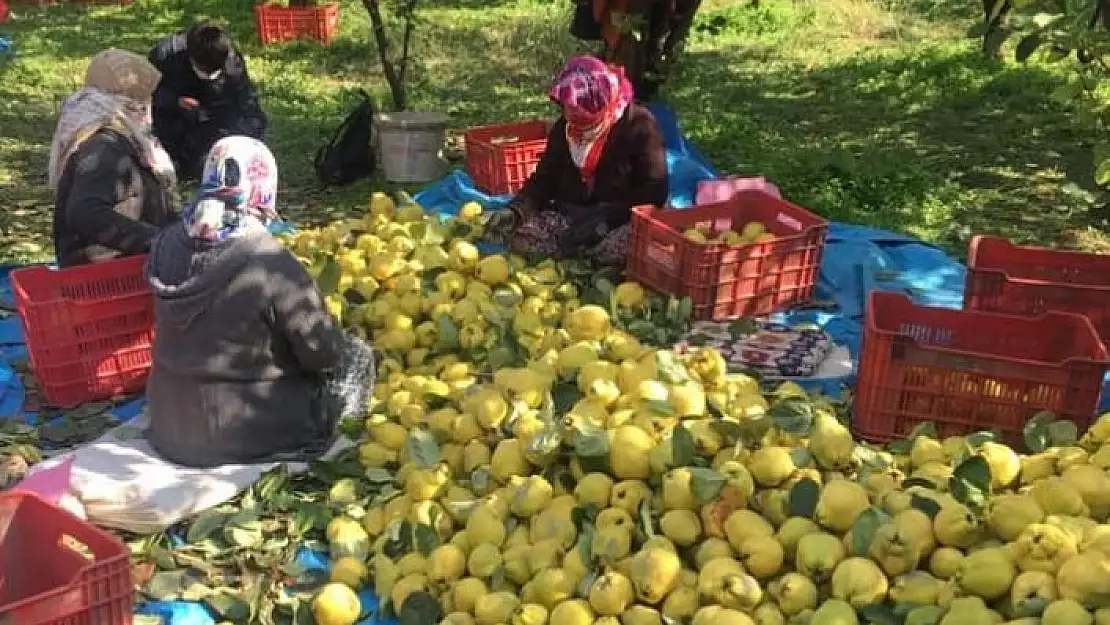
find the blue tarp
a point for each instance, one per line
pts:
(856, 260)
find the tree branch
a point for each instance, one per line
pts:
(406, 40)
(396, 82)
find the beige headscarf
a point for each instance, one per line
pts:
(117, 93)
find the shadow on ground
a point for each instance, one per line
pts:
(937, 143)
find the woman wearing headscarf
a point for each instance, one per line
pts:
(114, 186)
(249, 366)
(604, 155)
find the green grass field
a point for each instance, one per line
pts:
(878, 112)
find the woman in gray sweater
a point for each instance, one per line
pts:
(244, 347)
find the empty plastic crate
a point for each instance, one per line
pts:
(729, 281)
(970, 371)
(88, 329)
(1007, 278)
(277, 23)
(56, 569)
(501, 158)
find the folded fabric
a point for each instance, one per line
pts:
(713, 191)
(771, 349)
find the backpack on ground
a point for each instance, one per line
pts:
(349, 155)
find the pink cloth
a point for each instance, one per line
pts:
(51, 484)
(713, 191)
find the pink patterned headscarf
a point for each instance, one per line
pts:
(594, 96)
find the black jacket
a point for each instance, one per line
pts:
(229, 105)
(108, 203)
(242, 340)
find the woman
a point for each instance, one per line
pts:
(113, 184)
(639, 35)
(244, 347)
(604, 155)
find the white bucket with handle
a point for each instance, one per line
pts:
(411, 145)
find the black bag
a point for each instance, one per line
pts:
(349, 155)
(583, 25)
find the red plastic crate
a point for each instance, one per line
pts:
(88, 329)
(277, 23)
(1007, 278)
(56, 569)
(969, 371)
(501, 158)
(729, 281)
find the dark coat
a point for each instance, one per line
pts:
(241, 346)
(108, 203)
(229, 105)
(632, 171)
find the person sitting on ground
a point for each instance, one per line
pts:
(248, 365)
(604, 155)
(205, 95)
(114, 186)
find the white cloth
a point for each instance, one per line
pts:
(124, 484)
(90, 109)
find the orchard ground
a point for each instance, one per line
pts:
(878, 112)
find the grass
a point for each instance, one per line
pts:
(878, 112)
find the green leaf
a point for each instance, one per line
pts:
(1035, 431)
(925, 504)
(420, 608)
(563, 396)
(803, 498)
(683, 447)
(604, 286)
(1102, 173)
(584, 516)
(328, 281)
(1027, 46)
(249, 537)
(423, 448)
(793, 415)
(803, 458)
(670, 368)
(728, 429)
(976, 472)
(378, 475)
(645, 519)
(925, 428)
(447, 334)
(425, 539)
(1062, 433)
(706, 484)
(918, 481)
(206, 524)
(879, 614)
(663, 408)
(228, 606)
(592, 446)
(978, 438)
(864, 528)
(168, 585)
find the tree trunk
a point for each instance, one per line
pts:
(394, 74)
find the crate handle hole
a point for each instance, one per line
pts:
(76, 547)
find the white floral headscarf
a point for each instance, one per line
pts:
(238, 191)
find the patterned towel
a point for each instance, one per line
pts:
(772, 349)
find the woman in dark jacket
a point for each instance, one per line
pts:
(243, 343)
(604, 155)
(113, 183)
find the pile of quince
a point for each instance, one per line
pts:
(751, 232)
(528, 462)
